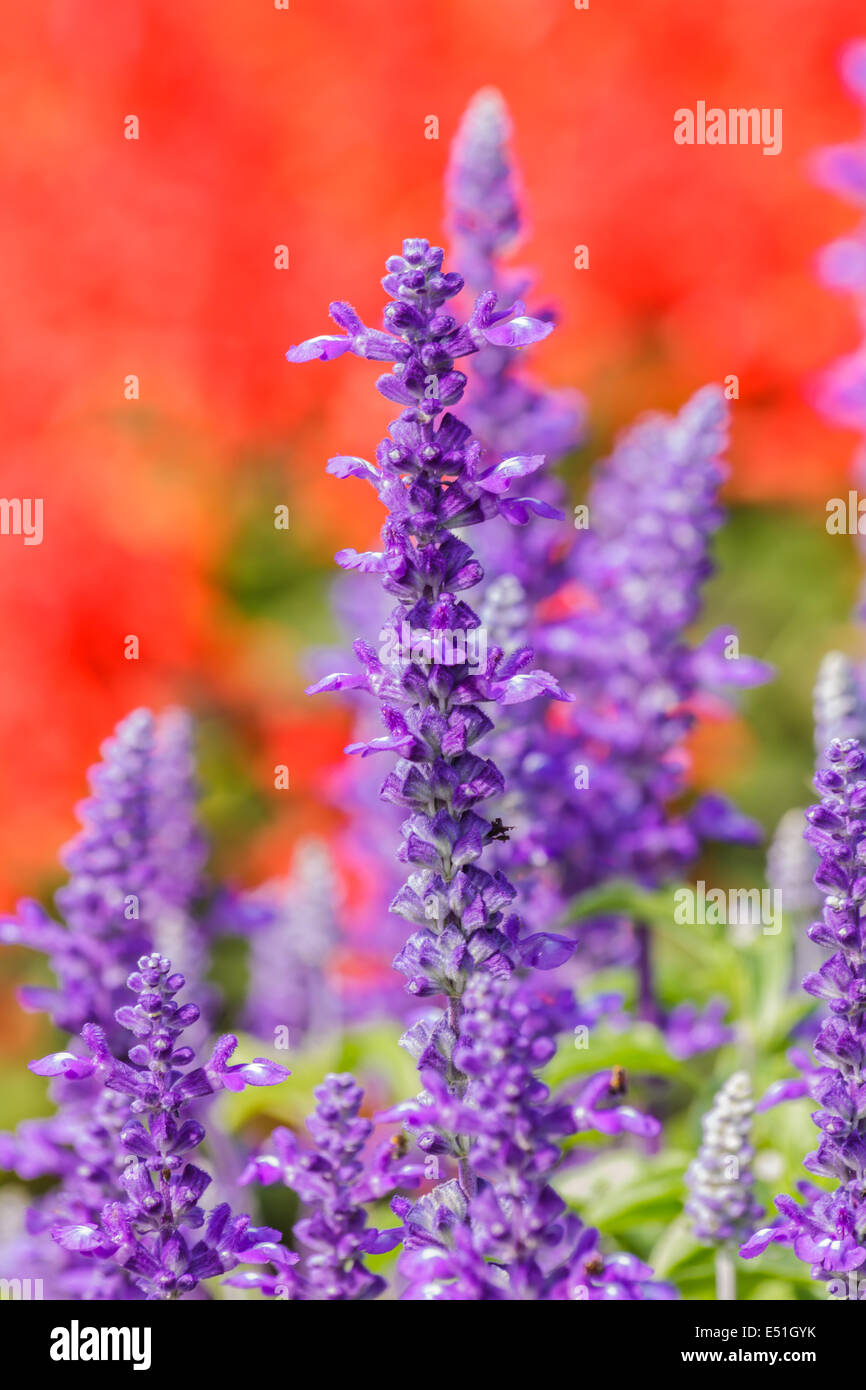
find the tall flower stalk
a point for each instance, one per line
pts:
(505, 408)
(147, 1227)
(136, 886)
(828, 1230)
(432, 675)
(135, 870)
(509, 412)
(513, 1238)
(335, 1179)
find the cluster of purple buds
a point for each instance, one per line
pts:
(626, 589)
(135, 873)
(149, 1229)
(828, 1230)
(135, 884)
(637, 575)
(509, 1235)
(508, 413)
(334, 1180)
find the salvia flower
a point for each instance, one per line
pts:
(433, 676)
(600, 789)
(721, 1204)
(155, 1229)
(334, 1182)
(513, 1239)
(597, 792)
(828, 1230)
(638, 572)
(483, 204)
(507, 411)
(135, 870)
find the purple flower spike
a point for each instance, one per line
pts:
(721, 1204)
(434, 671)
(829, 1230)
(147, 1229)
(514, 1238)
(523, 429)
(332, 1182)
(507, 411)
(484, 213)
(135, 869)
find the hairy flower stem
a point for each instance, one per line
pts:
(457, 1083)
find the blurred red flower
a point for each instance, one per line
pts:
(260, 128)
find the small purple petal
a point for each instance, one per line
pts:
(519, 332)
(323, 349)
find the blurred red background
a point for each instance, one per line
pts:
(261, 127)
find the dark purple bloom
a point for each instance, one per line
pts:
(334, 1183)
(612, 764)
(147, 1229)
(599, 790)
(513, 1237)
(517, 421)
(829, 1231)
(135, 881)
(430, 680)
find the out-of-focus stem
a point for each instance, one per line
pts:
(647, 1007)
(726, 1275)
